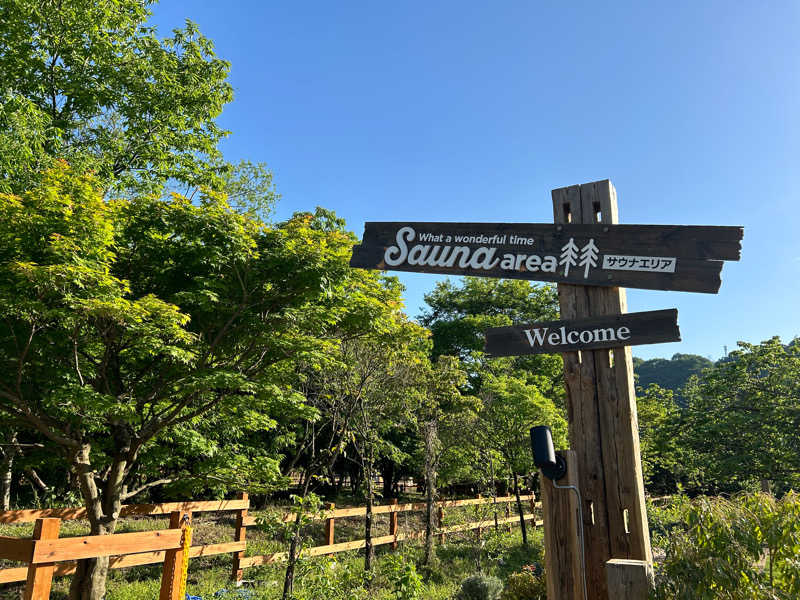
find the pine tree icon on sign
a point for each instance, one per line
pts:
(569, 254)
(589, 255)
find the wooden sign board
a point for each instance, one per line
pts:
(660, 257)
(612, 331)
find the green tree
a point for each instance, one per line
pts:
(510, 408)
(122, 324)
(743, 420)
(663, 458)
(440, 408)
(94, 84)
(671, 374)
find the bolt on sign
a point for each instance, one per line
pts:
(659, 257)
(612, 331)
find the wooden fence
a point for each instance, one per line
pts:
(47, 555)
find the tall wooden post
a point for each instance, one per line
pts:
(601, 407)
(173, 560)
(240, 535)
(393, 522)
(562, 551)
(40, 576)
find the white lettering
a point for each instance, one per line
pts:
(605, 335)
(587, 339)
(537, 337)
(396, 255)
(482, 259)
(418, 255)
(624, 333)
(533, 263)
(552, 339)
(549, 264)
(569, 337)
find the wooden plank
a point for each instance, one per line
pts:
(602, 410)
(76, 548)
(360, 511)
(28, 516)
(696, 242)
(128, 560)
(253, 561)
(608, 331)
(629, 579)
(561, 543)
(39, 578)
(167, 508)
(12, 548)
(642, 256)
(69, 514)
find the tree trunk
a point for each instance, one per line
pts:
(6, 472)
(102, 509)
(430, 437)
(369, 549)
(388, 471)
(521, 513)
(288, 580)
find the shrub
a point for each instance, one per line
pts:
(405, 582)
(528, 584)
(744, 548)
(480, 587)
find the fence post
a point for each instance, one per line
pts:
(240, 535)
(173, 559)
(40, 576)
(508, 516)
(330, 524)
(441, 524)
(393, 523)
(478, 513)
(532, 500)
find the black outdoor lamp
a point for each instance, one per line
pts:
(544, 455)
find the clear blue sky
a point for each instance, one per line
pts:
(474, 111)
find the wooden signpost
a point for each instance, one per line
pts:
(591, 257)
(658, 257)
(610, 331)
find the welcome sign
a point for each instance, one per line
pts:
(613, 331)
(663, 257)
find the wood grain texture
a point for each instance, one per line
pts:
(561, 542)
(682, 241)
(240, 535)
(629, 579)
(76, 548)
(39, 578)
(165, 508)
(601, 407)
(698, 252)
(173, 558)
(128, 560)
(12, 548)
(651, 327)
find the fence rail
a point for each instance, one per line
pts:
(47, 555)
